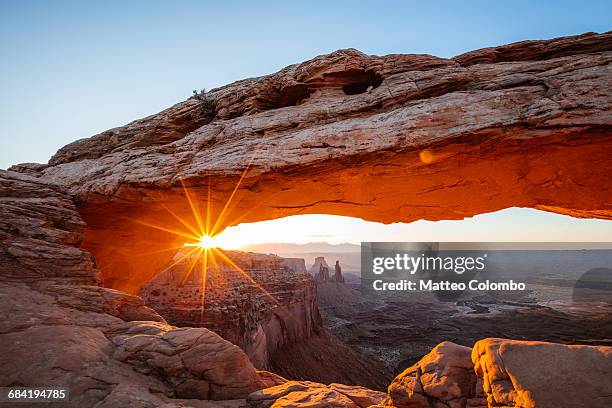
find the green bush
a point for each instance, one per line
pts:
(207, 102)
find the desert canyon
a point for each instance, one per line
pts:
(92, 299)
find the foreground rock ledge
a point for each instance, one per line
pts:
(544, 375)
(506, 373)
(394, 138)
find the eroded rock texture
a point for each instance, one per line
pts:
(253, 300)
(309, 394)
(444, 378)
(390, 138)
(41, 233)
(58, 328)
(543, 375)
(259, 303)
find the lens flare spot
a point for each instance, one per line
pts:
(427, 156)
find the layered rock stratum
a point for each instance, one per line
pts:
(58, 328)
(391, 138)
(253, 300)
(266, 307)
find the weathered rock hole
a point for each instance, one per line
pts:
(287, 96)
(361, 81)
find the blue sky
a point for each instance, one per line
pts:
(72, 69)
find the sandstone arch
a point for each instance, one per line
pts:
(526, 125)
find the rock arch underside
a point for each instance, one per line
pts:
(393, 138)
(525, 125)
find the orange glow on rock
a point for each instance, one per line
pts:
(426, 156)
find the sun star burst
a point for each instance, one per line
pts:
(202, 237)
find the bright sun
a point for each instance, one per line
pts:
(205, 242)
(205, 238)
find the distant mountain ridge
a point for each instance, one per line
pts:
(311, 247)
(348, 254)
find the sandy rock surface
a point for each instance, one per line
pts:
(443, 378)
(544, 375)
(309, 394)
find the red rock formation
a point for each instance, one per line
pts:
(318, 264)
(321, 271)
(295, 264)
(57, 328)
(261, 312)
(310, 394)
(41, 233)
(338, 273)
(507, 373)
(279, 329)
(540, 374)
(445, 377)
(323, 275)
(388, 139)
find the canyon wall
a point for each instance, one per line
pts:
(394, 138)
(59, 328)
(252, 300)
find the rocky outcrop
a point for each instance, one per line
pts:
(338, 273)
(443, 378)
(41, 233)
(85, 338)
(321, 271)
(295, 264)
(393, 138)
(506, 373)
(253, 300)
(308, 394)
(323, 274)
(58, 328)
(319, 264)
(543, 375)
(265, 308)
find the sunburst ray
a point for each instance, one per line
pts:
(246, 275)
(223, 214)
(165, 229)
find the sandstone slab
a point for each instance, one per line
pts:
(544, 375)
(443, 378)
(308, 394)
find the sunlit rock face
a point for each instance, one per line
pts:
(311, 394)
(540, 374)
(506, 373)
(445, 377)
(393, 138)
(253, 300)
